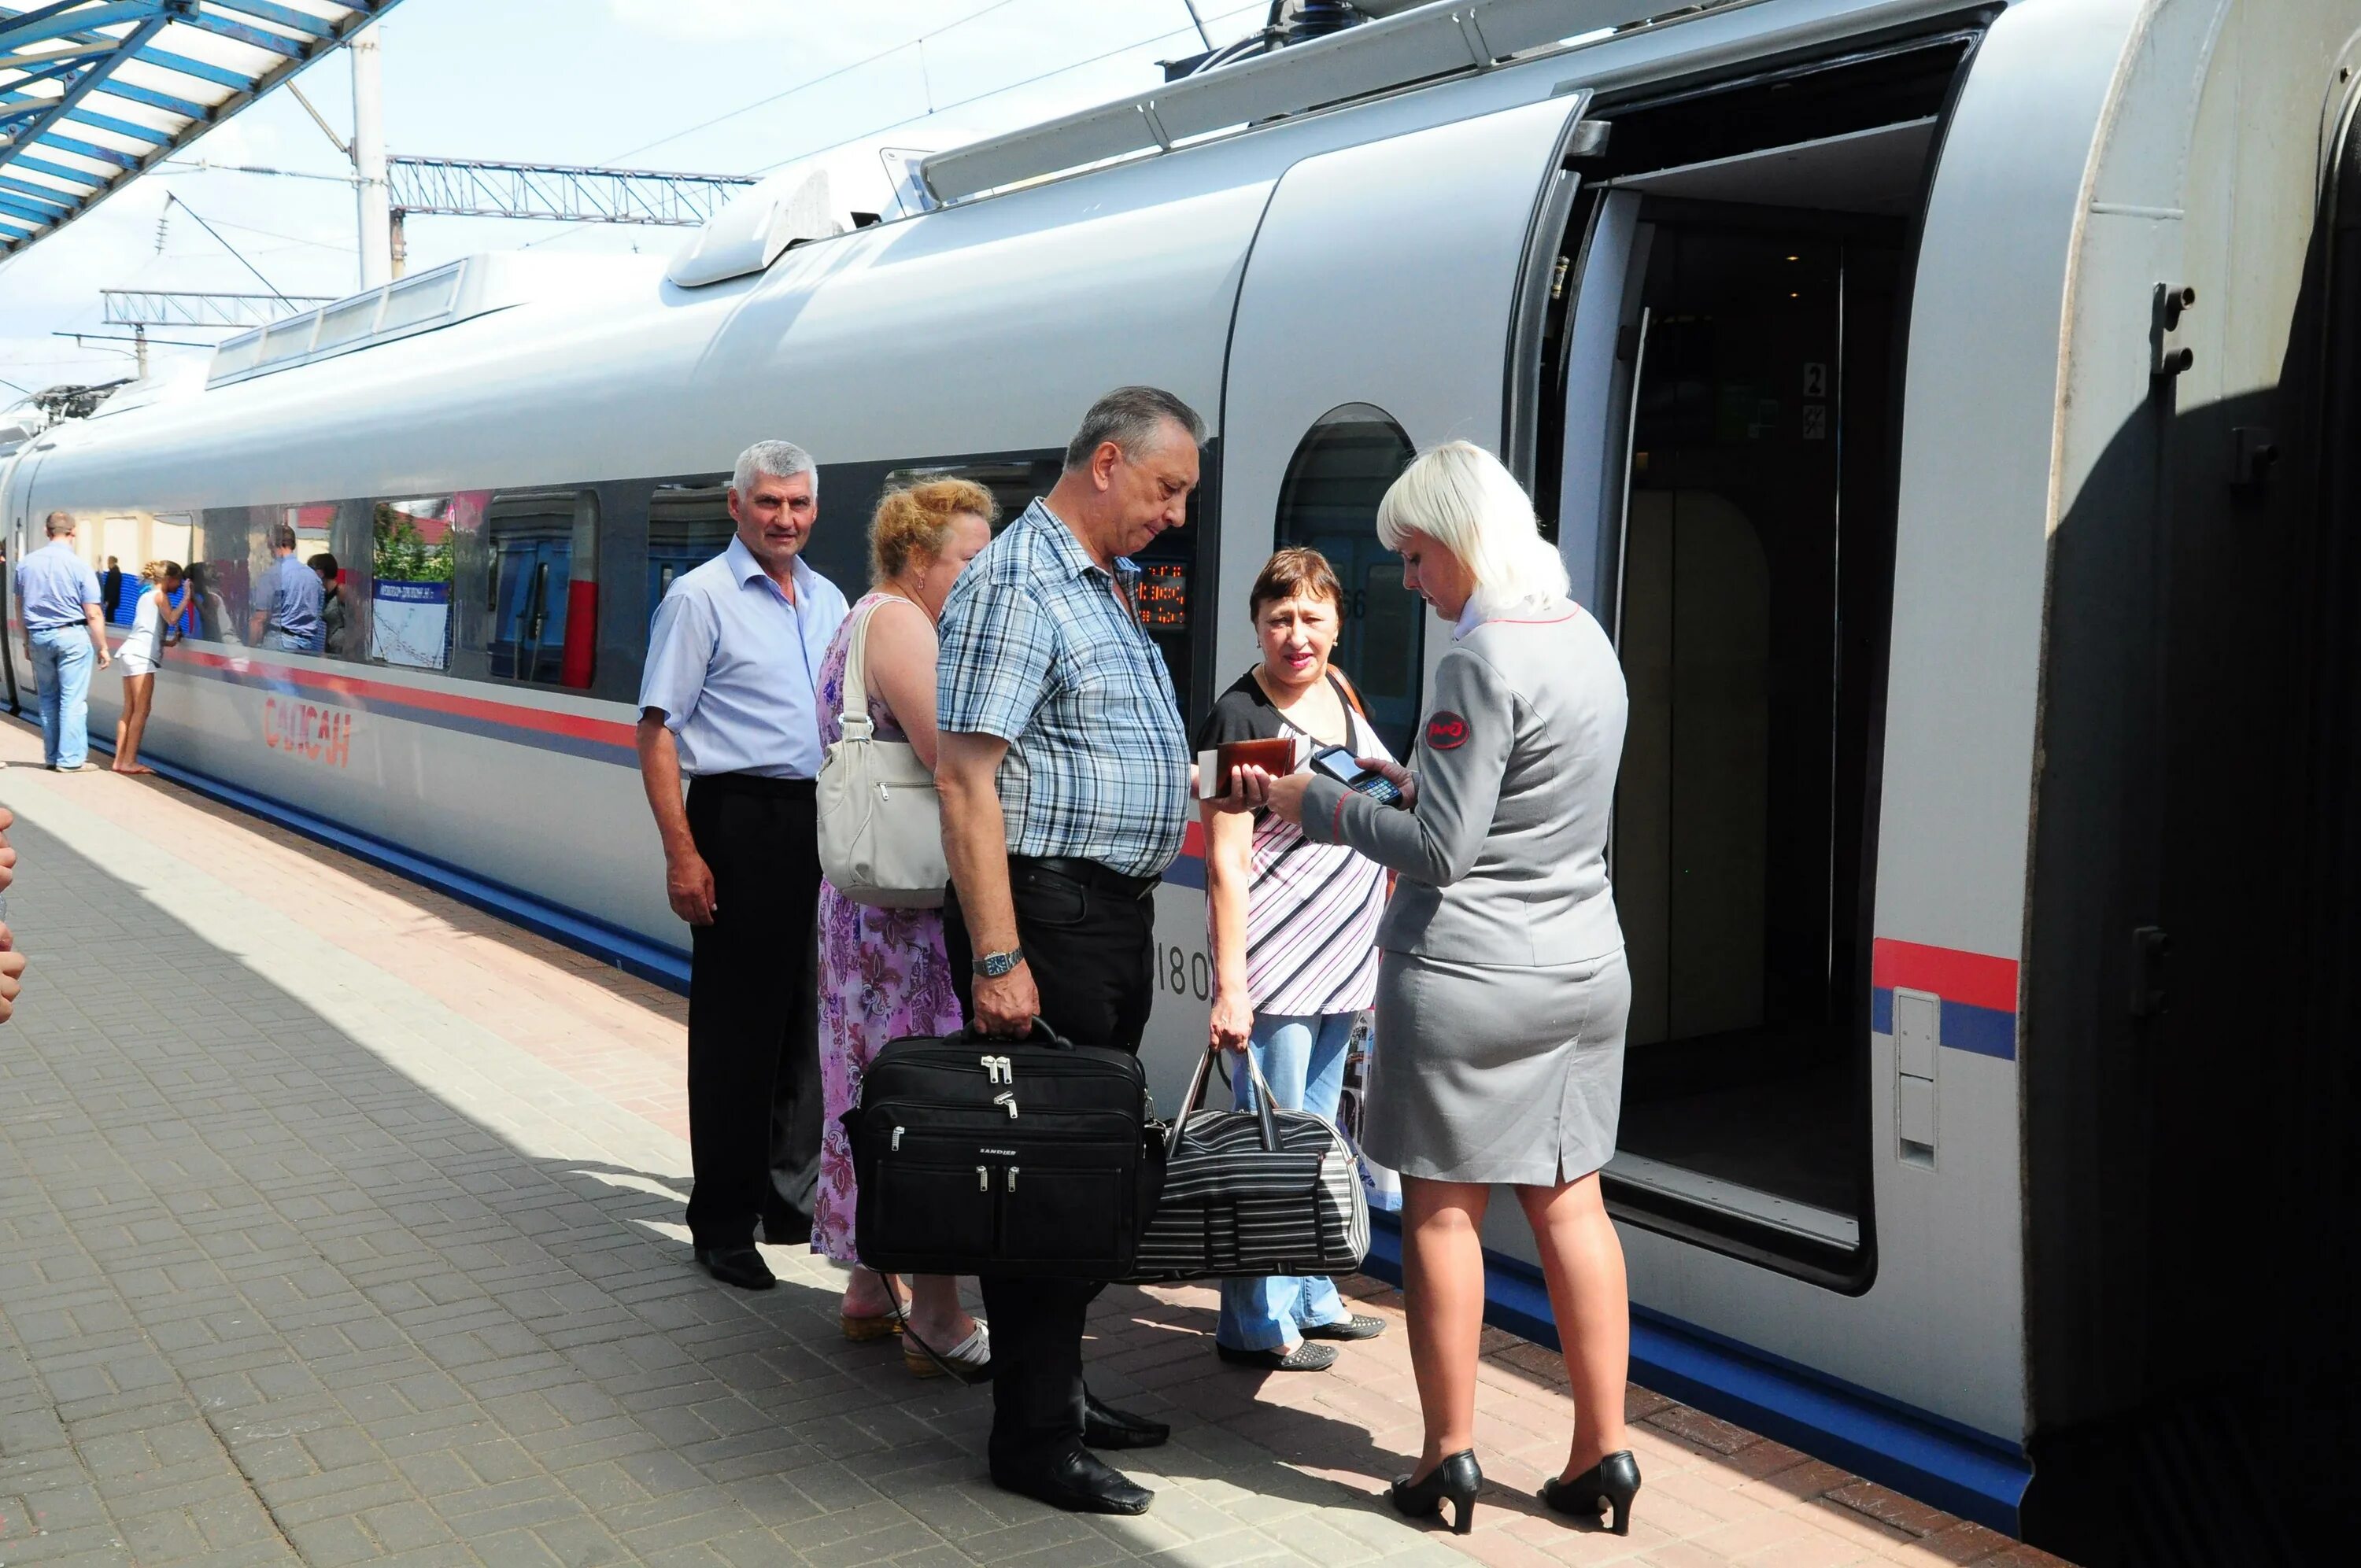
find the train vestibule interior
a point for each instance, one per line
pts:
(1746, 574)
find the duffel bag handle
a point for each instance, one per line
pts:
(1040, 1034)
(1194, 1100)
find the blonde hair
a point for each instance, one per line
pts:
(1466, 500)
(157, 571)
(915, 521)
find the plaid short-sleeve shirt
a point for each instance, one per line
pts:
(1036, 650)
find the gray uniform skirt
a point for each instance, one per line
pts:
(1491, 1073)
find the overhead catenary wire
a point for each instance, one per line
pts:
(827, 76)
(173, 198)
(1101, 57)
(996, 92)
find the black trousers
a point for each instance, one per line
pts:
(1090, 945)
(753, 1012)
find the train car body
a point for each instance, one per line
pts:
(1930, 398)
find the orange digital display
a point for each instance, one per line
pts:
(1164, 597)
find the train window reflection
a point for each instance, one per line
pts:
(413, 557)
(541, 585)
(1329, 502)
(687, 526)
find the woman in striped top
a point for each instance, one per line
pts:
(1294, 932)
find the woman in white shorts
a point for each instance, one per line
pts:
(152, 631)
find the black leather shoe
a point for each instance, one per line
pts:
(1076, 1481)
(1103, 1425)
(1355, 1327)
(1304, 1357)
(740, 1265)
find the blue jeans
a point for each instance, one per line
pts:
(61, 664)
(1304, 1059)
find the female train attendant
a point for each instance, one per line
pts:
(1502, 992)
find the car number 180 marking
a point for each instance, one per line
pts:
(1183, 972)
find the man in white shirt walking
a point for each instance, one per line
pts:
(65, 632)
(729, 700)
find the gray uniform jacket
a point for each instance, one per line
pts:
(1504, 860)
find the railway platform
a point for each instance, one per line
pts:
(340, 1222)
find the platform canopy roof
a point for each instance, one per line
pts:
(93, 92)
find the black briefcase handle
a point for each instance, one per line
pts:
(1040, 1034)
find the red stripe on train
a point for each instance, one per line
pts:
(1975, 978)
(604, 731)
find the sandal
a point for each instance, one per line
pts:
(868, 1330)
(969, 1360)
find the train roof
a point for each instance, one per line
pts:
(978, 326)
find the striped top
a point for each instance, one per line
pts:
(1311, 909)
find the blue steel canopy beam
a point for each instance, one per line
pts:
(40, 195)
(69, 17)
(221, 27)
(284, 16)
(159, 12)
(108, 57)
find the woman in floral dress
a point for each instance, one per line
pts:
(882, 971)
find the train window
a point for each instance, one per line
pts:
(538, 582)
(687, 526)
(414, 559)
(1014, 481)
(1328, 501)
(1168, 566)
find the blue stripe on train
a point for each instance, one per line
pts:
(1968, 1473)
(1984, 1031)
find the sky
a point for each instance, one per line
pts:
(707, 86)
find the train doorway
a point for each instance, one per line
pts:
(1735, 338)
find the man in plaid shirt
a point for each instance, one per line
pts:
(1064, 772)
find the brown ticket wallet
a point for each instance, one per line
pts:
(1279, 754)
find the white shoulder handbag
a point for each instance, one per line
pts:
(881, 824)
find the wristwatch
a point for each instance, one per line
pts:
(992, 966)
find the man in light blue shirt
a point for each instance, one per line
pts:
(729, 700)
(287, 616)
(65, 630)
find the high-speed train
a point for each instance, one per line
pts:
(1950, 411)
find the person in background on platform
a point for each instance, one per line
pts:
(1064, 771)
(110, 589)
(1293, 928)
(1502, 994)
(729, 700)
(883, 973)
(65, 630)
(332, 615)
(152, 631)
(289, 617)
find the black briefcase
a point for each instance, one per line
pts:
(981, 1156)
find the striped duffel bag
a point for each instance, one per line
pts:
(1254, 1192)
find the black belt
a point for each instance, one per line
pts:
(1089, 874)
(753, 784)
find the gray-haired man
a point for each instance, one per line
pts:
(729, 700)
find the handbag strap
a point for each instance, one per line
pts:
(1194, 1101)
(856, 673)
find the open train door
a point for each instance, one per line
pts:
(1392, 301)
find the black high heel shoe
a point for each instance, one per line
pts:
(1457, 1478)
(1608, 1486)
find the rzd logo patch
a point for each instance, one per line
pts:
(1445, 732)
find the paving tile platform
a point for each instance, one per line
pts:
(340, 1222)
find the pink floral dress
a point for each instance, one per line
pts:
(883, 974)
